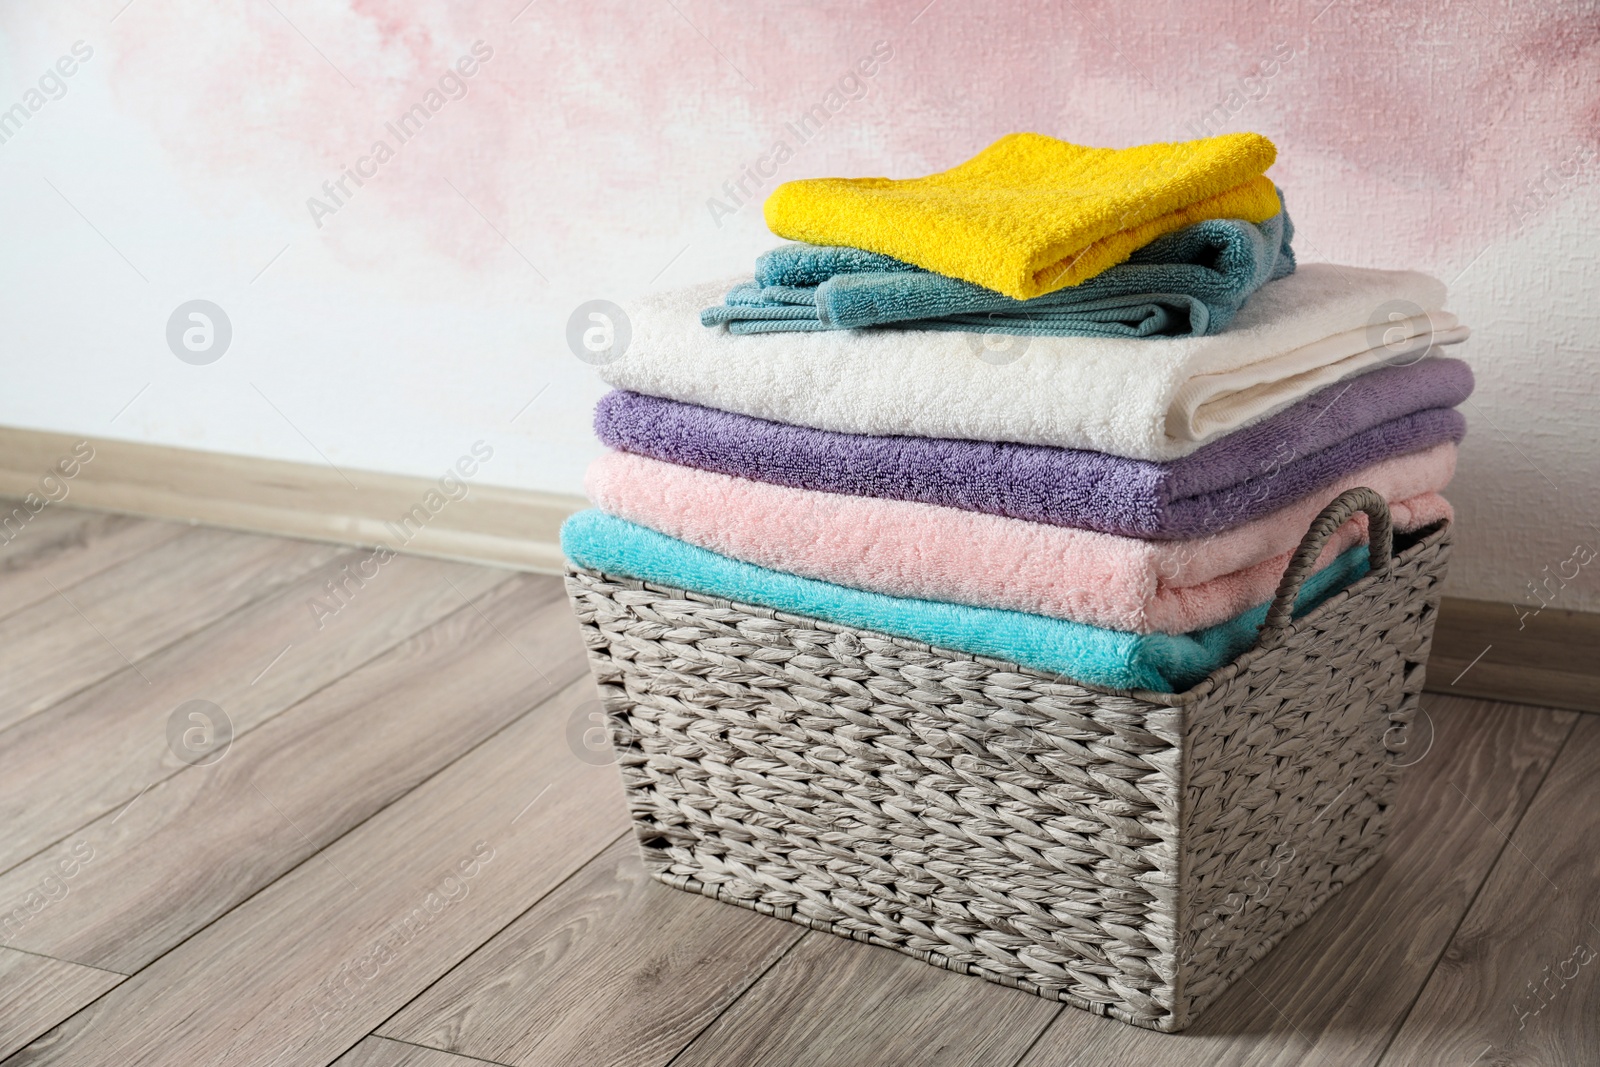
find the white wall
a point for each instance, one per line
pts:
(430, 308)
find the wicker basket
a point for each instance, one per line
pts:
(1128, 852)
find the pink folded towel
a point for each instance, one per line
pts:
(909, 549)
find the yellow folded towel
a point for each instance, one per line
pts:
(1030, 214)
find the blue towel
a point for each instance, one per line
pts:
(1086, 654)
(1187, 283)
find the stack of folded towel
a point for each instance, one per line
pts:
(1116, 500)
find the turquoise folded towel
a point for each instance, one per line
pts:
(1086, 654)
(1186, 283)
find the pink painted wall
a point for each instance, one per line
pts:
(1408, 137)
(1458, 138)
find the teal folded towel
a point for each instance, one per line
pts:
(1187, 283)
(1085, 654)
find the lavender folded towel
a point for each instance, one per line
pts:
(1250, 473)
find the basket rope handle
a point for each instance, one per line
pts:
(1380, 541)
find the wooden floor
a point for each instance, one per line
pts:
(382, 842)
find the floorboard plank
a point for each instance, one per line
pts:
(197, 844)
(611, 969)
(832, 1001)
(382, 1052)
(306, 968)
(63, 546)
(1336, 989)
(119, 616)
(1520, 982)
(37, 993)
(95, 752)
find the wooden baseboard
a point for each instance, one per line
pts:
(1480, 648)
(1484, 649)
(492, 524)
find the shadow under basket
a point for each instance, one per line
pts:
(1127, 852)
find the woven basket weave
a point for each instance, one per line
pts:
(1127, 852)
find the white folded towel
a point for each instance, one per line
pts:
(1149, 398)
